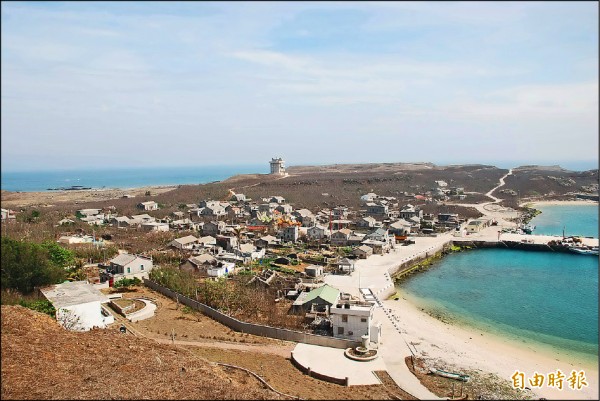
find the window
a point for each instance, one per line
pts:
(363, 319)
(344, 318)
(141, 267)
(340, 330)
(129, 270)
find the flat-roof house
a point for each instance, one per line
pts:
(409, 211)
(155, 226)
(238, 198)
(277, 199)
(8, 214)
(150, 205)
(78, 305)
(377, 210)
(86, 212)
(450, 219)
(284, 208)
(351, 321)
(289, 234)
(213, 228)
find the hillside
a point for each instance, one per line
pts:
(325, 186)
(41, 360)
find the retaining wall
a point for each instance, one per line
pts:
(343, 381)
(255, 329)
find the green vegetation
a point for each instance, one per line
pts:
(29, 218)
(58, 255)
(127, 282)
(41, 305)
(230, 296)
(26, 265)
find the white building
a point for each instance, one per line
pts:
(187, 242)
(155, 226)
(150, 205)
(126, 265)
(351, 321)
(289, 234)
(277, 166)
(78, 305)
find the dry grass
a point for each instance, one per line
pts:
(41, 360)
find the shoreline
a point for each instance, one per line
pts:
(457, 344)
(576, 202)
(466, 347)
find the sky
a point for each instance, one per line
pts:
(122, 84)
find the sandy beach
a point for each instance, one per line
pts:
(467, 348)
(561, 202)
(458, 346)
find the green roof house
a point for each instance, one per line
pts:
(320, 297)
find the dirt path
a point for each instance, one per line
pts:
(284, 351)
(492, 209)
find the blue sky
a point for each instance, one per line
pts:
(92, 84)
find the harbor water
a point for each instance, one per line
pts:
(538, 298)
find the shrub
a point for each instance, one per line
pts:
(127, 282)
(41, 305)
(26, 265)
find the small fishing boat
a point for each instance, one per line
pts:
(584, 251)
(528, 228)
(450, 375)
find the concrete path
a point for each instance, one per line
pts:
(394, 350)
(333, 363)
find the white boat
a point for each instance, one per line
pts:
(450, 375)
(584, 251)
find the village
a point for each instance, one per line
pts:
(318, 279)
(286, 252)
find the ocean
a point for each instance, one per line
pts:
(541, 298)
(34, 181)
(579, 220)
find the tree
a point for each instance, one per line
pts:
(26, 265)
(58, 255)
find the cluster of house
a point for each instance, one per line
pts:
(239, 230)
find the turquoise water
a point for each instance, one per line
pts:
(123, 178)
(539, 297)
(576, 219)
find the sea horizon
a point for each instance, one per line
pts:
(123, 178)
(40, 180)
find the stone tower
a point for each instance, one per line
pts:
(277, 166)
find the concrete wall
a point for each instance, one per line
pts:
(255, 329)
